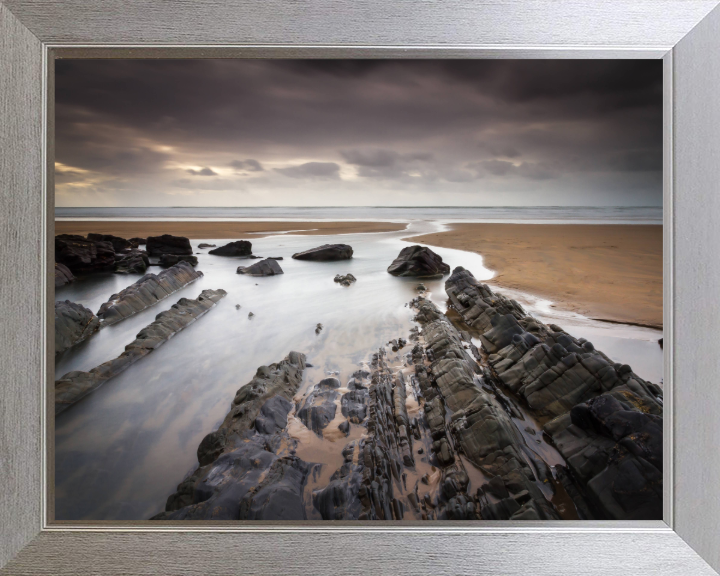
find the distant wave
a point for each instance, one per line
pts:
(545, 214)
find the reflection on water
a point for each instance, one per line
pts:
(123, 449)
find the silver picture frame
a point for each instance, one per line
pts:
(685, 34)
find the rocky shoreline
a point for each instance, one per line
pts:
(460, 432)
(483, 412)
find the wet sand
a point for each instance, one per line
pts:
(607, 272)
(218, 230)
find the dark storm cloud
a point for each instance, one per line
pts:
(581, 127)
(312, 170)
(250, 165)
(202, 172)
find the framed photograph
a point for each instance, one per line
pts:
(419, 289)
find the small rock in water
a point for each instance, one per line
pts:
(308, 365)
(318, 328)
(660, 342)
(251, 315)
(237, 306)
(425, 479)
(530, 431)
(345, 280)
(275, 257)
(206, 245)
(420, 450)
(344, 427)
(421, 288)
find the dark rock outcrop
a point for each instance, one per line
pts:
(73, 324)
(418, 261)
(606, 418)
(326, 253)
(134, 262)
(149, 290)
(267, 267)
(82, 255)
(119, 244)
(237, 248)
(168, 244)
(62, 275)
(345, 280)
(318, 409)
(244, 473)
(75, 385)
(172, 259)
(139, 241)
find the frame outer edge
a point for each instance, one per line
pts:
(696, 109)
(509, 554)
(611, 23)
(22, 275)
(21, 163)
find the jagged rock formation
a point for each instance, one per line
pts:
(479, 426)
(247, 470)
(82, 255)
(75, 385)
(118, 244)
(607, 421)
(344, 280)
(326, 253)
(149, 290)
(73, 324)
(238, 248)
(62, 275)
(172, 259)
(168, 244)
(418, 261)
(134, 262)
(267, 267)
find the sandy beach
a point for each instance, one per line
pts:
(217, 230)
(608, 272)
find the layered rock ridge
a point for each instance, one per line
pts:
(148, 290)
(75, 385)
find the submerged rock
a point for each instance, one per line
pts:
(237, 248)
(62, 275)
(326, 253)
(206, 245)
(172, 259)
(134, 262)
(267, 267)
(73, 324)
(418, 261)
(345, 280)
(168, 244)
(82, 255)
(148, 290)
(75, 385)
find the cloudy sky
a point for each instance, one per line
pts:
(350, 132)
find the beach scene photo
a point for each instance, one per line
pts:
(357, 290)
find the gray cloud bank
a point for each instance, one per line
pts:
(355, 132)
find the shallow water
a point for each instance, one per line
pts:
(123, 449)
